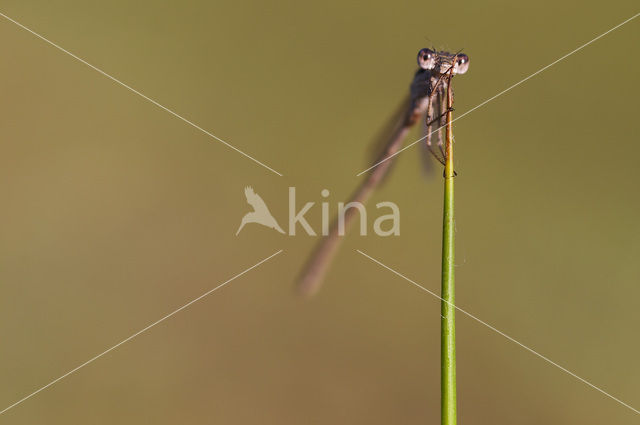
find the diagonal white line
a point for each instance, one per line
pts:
(138, 333)
(114, 79)
(532, 351)
(503, 92)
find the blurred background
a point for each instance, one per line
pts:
(115, 213)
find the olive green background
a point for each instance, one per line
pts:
(114, 213)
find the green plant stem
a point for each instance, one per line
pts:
(448, 324)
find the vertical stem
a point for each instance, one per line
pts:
(448, 326)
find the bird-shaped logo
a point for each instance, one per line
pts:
(260, 213)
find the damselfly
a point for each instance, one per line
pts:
(427, 97)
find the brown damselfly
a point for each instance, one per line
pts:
(427, 97)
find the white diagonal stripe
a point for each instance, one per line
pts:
(114, 79)
(503, 92)
(531, 350)
(91, 360)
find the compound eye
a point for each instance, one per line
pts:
(426, 59)
(462, 63)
